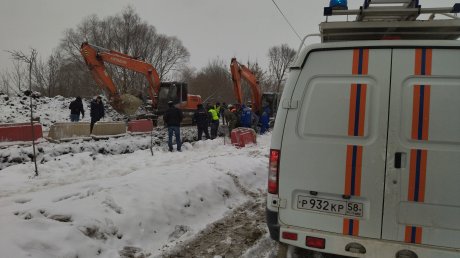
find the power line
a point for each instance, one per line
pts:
(286, 19)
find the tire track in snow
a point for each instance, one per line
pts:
(242, 233)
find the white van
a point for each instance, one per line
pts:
(365, 152)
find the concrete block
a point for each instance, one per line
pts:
(109, 129)
(69, 131)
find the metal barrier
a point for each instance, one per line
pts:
(140, 126)
(241, 136)
(20, 132)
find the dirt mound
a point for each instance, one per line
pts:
(130, 104)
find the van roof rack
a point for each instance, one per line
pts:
(391, 19)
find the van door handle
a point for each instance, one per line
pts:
(400, 160)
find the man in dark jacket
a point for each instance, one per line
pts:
(265, 120)
(172, 118)
(200, 118)
(97, 111)
(76, 107)
(230, 117)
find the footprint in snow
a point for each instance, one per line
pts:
(22, 200)
(110, 202)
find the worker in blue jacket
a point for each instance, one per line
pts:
(246, 116)
(265, 120)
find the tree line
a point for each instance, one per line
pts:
(65, 73)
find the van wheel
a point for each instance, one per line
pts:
(282, 250)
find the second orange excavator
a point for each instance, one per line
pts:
(160, 93)
(258, 99)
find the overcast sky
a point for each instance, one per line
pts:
(245, 29)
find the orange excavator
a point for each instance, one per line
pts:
(258, 99)
(240, 71)
(160, 93)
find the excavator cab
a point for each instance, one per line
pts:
(176, 92)
(270, 99)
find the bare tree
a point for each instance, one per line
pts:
(17, 75)
(5, 81)
(169, 54)
(127, 33)
(46, 74)
(213, 83)
(185, 74)
(280, 58)
(30, 61)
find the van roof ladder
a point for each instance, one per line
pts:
(381, 19)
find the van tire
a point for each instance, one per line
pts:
(282, 250)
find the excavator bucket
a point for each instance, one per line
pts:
(126, 104)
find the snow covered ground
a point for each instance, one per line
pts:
(88, 204)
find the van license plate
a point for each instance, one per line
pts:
(339, 207)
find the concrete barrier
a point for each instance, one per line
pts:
(242, 136)
(140, 126)
(108, 129)
(69, 131)
(20, 132)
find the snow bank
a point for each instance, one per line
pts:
(47, 151)
(50, 110)
(88, 205)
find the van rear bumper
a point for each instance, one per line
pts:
(375, 248)
(272, 223)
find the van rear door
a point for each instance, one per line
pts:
(332, 166)
(422, 200)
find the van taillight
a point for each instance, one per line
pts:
(273, 171)
(315, 242)
(289, 236)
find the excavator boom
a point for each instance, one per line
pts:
(95, 57)
(240, 71)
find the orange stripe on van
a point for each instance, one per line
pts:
(356, 119)
(413, 234)
(420, 130)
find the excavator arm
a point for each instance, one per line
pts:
(95, 57)
(240, 71)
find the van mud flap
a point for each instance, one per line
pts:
(272, 223)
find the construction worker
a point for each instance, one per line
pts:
(222, 109)
(76, 107)
(265, 120)
(97, 112)
(230, 117)
(246, 117)
(201, 119)
(217, 107)
(172, 118)
(214, 117)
